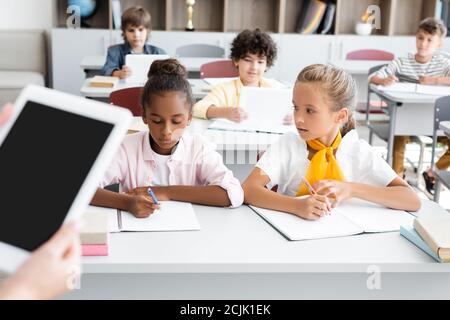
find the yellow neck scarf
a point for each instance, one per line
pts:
(323, 164)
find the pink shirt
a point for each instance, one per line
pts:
(194, 163)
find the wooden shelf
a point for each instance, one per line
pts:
(398, 17)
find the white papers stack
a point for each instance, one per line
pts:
(266, 109)
(353, 217)
(140, 65)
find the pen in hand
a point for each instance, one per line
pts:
(151, 194)
(313, 192)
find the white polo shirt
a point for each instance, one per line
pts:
(286, 162)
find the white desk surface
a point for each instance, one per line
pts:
(239, 241)
(357, 66)
(191, 64)
(406, 97)
(445, 126)
(199, 89)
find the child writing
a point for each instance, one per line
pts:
(327, 152)
(252, 52)
(136, 27)
(426, 66)
(177, 165)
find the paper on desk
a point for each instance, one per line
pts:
(350, 218)
(416, 88)
(399, 87)
(173, 216)
(266, 109)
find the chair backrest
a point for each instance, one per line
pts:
(219, 69)
(200, 51)
(441, 113)
(370, 54)
(129, 98)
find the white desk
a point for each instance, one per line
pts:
(192, 64)
(409, 113)
(357, 66)
(199, 89)
(237, 255)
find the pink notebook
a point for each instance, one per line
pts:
(94, 249)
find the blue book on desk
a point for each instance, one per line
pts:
(411, 234)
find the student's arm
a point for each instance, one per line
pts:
(112, 62)
(235, 114)
(435, 80)
(386, 75)
(256, 193)
(141, 206)
(397, 195)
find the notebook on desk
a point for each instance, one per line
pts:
(173, 216)
(266, 109)
(350, 218)
(416, 88)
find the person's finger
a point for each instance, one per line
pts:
(61, 241)
(318, 212)
(5, 113)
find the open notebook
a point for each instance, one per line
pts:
(350, 218)
(266, 109)
(173, 216)
(416, 88)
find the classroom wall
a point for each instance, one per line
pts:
(27, 14)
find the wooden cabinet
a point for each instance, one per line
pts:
(398, 17)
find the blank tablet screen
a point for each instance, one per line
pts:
(44, 160)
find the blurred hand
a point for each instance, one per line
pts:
(288, 120)
(235, 114)
(122, 74)
(142, 206)
(51, 270)
(389, 81)
(429, 80)
(5, 113)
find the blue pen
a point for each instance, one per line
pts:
(151, 194)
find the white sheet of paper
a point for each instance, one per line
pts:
(266, 109)
(140, 65)
(173, 216)
(399, 87)
(372, 217)
(296, 228)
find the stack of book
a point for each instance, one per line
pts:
(103, 82)
(94, 234)
(432, 235)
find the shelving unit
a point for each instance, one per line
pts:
(398, 17)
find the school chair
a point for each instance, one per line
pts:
(370, 54)
(219, 69)
(441, 113)
(129, 98)
(200, 51)
(372, 106)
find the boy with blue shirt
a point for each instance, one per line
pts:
(136, 27)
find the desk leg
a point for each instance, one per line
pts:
(392, 118)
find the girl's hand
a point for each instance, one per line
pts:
(142, 206)
(428, 80)
(312, 207)
(122, 74)
(288, 119)
(235, 114)
(389, 81)
(338, 191)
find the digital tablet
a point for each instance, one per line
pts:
(140, 65)
(53, 151)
